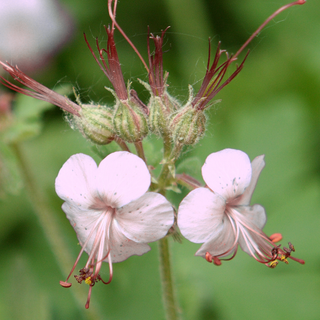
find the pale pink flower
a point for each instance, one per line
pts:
(220, 215)
(108, 207)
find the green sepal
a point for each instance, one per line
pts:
(95, 123)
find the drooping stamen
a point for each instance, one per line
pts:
(65, 284)
(89, 293)
(101, 240)
(276, 237)
(262, 249)
(210, 258)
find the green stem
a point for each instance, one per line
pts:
(140, 151)
(169, 297)
(172, 157)
(167, 149)
(122, 144)
(50, 227)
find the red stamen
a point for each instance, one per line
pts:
(89, 297)
(65, 284)
(217, 261)
(276, 237)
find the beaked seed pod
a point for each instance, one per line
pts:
(160, 110)
(95, 123)
(130, 121)
(187, 125)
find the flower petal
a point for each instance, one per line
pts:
(222, 242)
(121, 178)
(257, 165)
(83, 221)
(76, 180)
(227, 172)
(146, 219)
(122, 247)
(200, 215)
(252, 215)
(253, 219)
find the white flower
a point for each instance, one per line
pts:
(220, 215)
(109, 209)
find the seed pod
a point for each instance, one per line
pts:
(187, 125)
(95, 123)
(130, 121)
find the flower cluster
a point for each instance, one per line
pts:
(109, 206)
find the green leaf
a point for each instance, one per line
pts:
(10, 178)
(27, 121)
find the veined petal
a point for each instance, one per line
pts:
(122, 247)
(146, 219)
(75, 182)
(121, 178)
(83, 221)
(252, 215)
(227, 172)
(200, 215)
(251, 220)
(222, 243)
(257, 165)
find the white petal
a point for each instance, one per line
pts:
(146, 219)
(122, 247)
(82, 222)
(75, 182)
(257, 165)
(122, 177)
(200, 214)
(252, 215)
(222, 241)
(227, 172)
(253, 219)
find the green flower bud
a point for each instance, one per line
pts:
(160, 111)
(160, 108)
(187, 125)
(130, 122)
(95, 123)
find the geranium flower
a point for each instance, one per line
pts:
(220, 215)
(108, 207)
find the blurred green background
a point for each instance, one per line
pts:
(271, 108)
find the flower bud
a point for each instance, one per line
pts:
(130, 122)
(187, 125)
(95, 123)
(160, 111)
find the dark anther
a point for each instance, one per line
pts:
(291, 247)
